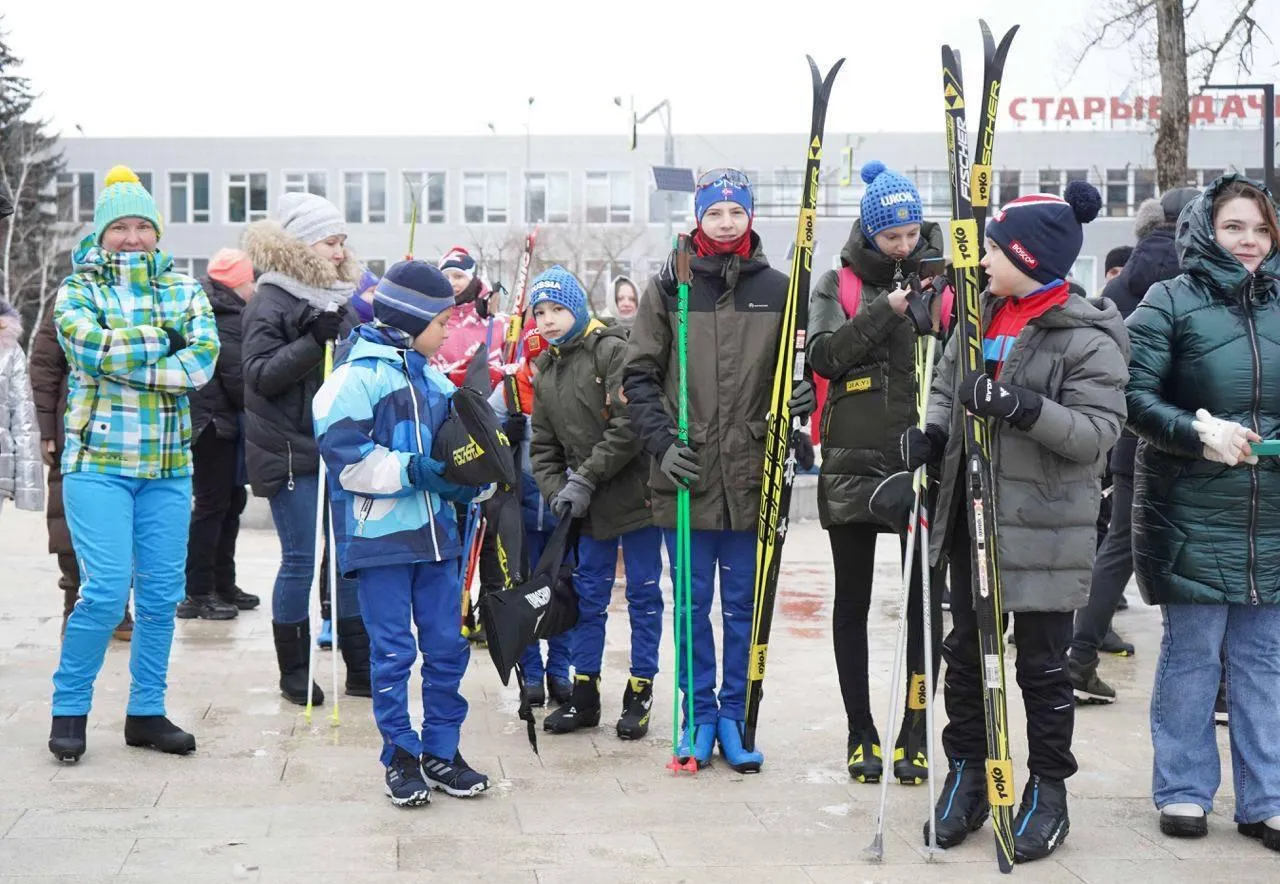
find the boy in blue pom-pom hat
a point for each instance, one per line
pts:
(375, 417)
(1053, 392)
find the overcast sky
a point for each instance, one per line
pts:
(257, 67)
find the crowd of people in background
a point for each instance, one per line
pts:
(1129, 437)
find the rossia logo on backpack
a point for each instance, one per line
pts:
(1023, 255)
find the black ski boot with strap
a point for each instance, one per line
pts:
(637, 702)
(1042, 823)
(910, 754)
(866, 760)
(582, 710)
(962, 804)
(353, 643)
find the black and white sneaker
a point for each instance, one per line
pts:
(1042, 823)
(406, 786)
(1088, 688)
(455, 777)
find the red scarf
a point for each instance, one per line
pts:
(705, 246)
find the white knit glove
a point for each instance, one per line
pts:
(1225, 442)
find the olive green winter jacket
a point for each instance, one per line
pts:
(1203, 532)
(870, 362)
(580, 423)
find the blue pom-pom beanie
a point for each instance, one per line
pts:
(559, 286)
(891, 200)
(410, 295)
(1042, 234)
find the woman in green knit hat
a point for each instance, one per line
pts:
(139, 337)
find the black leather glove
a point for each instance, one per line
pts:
(667, 279)
(176, 341)
(325, 327)
(680, 464)
(515, 428)
(922, 448)
(986, 397)
(803, 401)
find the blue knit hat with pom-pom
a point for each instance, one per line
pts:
(891, 200)
(559, 286)
(1041, 233)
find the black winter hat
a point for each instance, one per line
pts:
(1041, 233)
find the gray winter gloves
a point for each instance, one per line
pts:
(680, 464)
(986, 397)
(802, 401)
(574, 498)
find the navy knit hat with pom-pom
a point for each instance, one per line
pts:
(891, 200)
(1041, 233)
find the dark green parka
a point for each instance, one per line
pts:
(1203, 532)
(870, 362)
(580, 423)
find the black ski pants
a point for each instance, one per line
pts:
(853, 550)
(215, 515)
(1111, 572)
(1042, 640)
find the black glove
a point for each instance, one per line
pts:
(667, 280)
(176, 341)
(515, 428)
(325, 327)
(680, 464)
(802, 401)
(986, 397)
(922, 448)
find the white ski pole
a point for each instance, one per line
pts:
(316, 571)
(333, 607)
(926, 617)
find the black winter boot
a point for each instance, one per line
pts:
(293, 642)
(962, 804)
(66, 737)
(866, 759)
(637, 701)
(353, 642)
(582, 710)
(157, 732)
(1042, 823)
(910, 754)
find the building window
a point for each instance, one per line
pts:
(189, 197)
(608, 197)
(781, 197)
(431, 209)
(842, 200)
(246, 197)
(681, 207)
(1116, 197)
(376, 266)
(145, 179)
(307, 182)
(1009, 182)
(1085, 272)
(365, 195)
(484, 197)
(546, 197)
(1050, 181)
(75, 197)
(598, 275)
(196, 267)
(934, 186)
(1144, 185)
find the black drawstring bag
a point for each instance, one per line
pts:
(470, 443)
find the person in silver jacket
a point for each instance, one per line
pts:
(21, 473)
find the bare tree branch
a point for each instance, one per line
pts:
(1129, 18)
(1240, 33)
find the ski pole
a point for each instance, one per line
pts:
(318, 563)
(926, 617)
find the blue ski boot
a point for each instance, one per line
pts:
(704, 741)
(729, 732)
(324, 641)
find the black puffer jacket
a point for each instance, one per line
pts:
(283, 364)
(870, 361)
(221, 401)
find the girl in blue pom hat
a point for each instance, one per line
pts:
(862, 344)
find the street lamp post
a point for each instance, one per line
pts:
(668, 145)
(1268, 126)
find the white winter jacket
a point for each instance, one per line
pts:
(21, 469)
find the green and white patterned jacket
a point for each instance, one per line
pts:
(127, 411)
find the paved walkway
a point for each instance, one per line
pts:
(270, 798)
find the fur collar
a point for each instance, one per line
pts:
(292, 265)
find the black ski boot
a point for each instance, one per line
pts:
(559, 690)
(637, 701)
(582, 710)
(157, 732)
(535, 694)
(1112, 643)
(1089, 689)
(866, 761)
(293, 644)
(1268, 832)
(353, 643)
(66, 737)
(910, 754)
(962, 804)
(205, 607)
(1042, 823)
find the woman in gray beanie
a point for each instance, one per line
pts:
(307, 277)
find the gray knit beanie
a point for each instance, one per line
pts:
(310, 218)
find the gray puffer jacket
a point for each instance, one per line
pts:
(1047, 479)
(21, 470)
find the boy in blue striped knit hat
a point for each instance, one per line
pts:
(396, 532)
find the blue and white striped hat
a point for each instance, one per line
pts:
(410, 295)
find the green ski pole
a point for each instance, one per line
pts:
(683, 586)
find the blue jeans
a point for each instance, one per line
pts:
(593, 580)
(1186, 765)
(427, 595)
(126, 532)
(732, 554)
(558, 648)
(294, 515)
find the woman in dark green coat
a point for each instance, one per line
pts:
(869, 359)
(1204, 385)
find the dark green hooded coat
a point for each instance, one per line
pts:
(870, 362)
(1203, 532)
